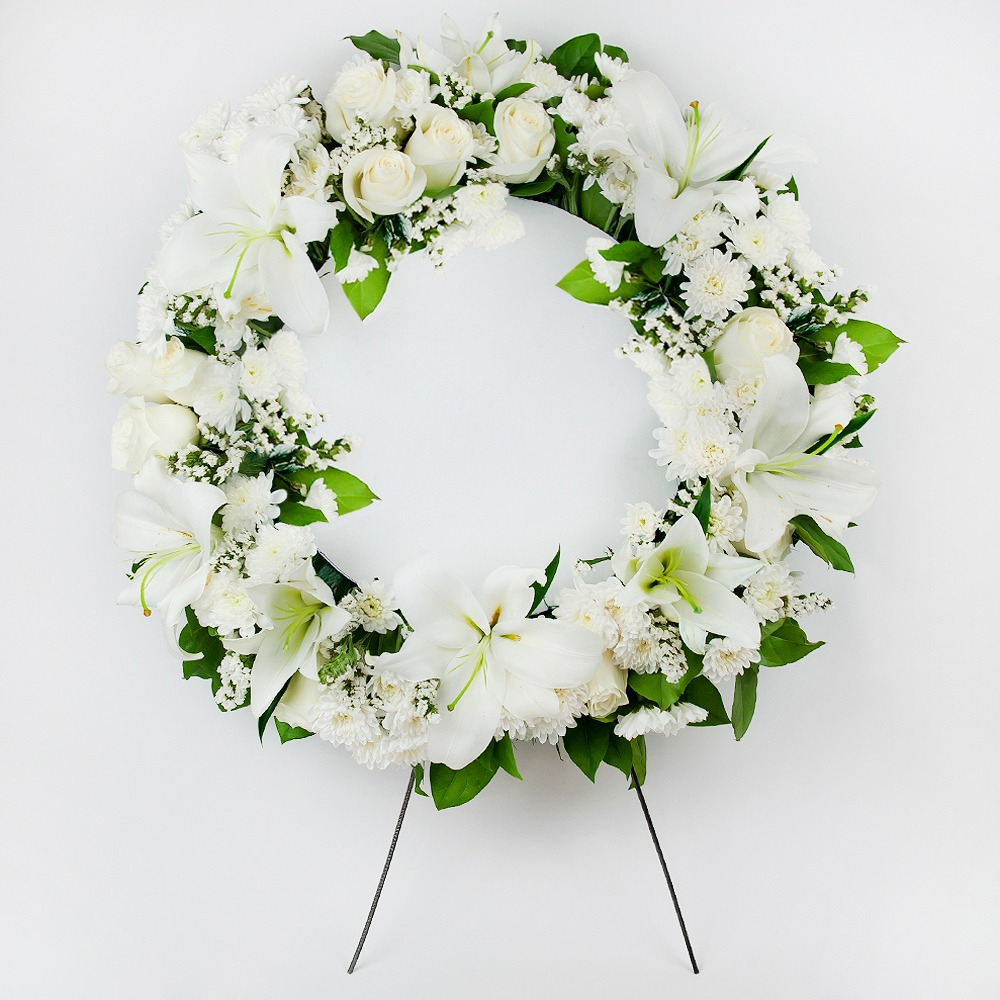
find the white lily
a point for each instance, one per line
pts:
(167, 524)
(488, 654)
(777, 478)
(488, 64)
(693, 586)
(683, 157)
(247, 238)
(301, 615)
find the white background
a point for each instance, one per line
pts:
(847, 848)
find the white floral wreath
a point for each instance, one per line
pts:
(756, 372)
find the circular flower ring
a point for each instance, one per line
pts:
(756, 372)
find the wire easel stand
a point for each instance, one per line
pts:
(666, 874)
(385, 871)
(399, 826)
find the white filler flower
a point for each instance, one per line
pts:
(489, 655)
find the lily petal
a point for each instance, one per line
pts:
(828, 485)
(428, 593)
(260, 164)
(660, 212)
(781, 412)
(721, 611)
(768, 509)
(528, 701)
(465, 731)
(292, 285)
(202, 251)
(310, 218)
(213, 186)
(548, 653)
(507, 592)
(656, 125)
(417, 660)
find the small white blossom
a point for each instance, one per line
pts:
(371, 607)
(716, 285)
(250, 502)
(640, 523)
(279, 553)
(767, 589)
(725, 658)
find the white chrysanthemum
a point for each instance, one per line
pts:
(285, 349)
(371, 607)
(547, 82)
(217, 397)
(725, 658)
(359, 265)
(656, 720)
(310, 174)
(725, 524)
(575, 107)
(503, 229)
(275, 94)
(594, 606)
(207, 129)
(480, 203)
(640, 522)
(760, 241)
(809, 265)
(299, 405)
(691, 380)
(320, 497)
(226, 606)
(343, 720)
(613, 70)
(767, 589)
(280, 552)
(701, 234)
(250, 502)
(788, 214)
(235, 677)
(608, 272)
(639, 647)
(849, 352)
(716, 285)
(708, 449)
(741, 391)
(261, 376)
(154, 319)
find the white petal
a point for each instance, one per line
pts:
(507, 591)
(731, 571)
(260, 165)
(276, 662)
(548, 653)
(213, 185)
(740, 198)
(427, 594)
(202, 251)
(655, 122)
(292, 285)
(828, 485)
(781, 411)
(687, 537)
(768, 512)
(465, 731)
(660, 212)
(721, 611)
(310, 218)
(528, 701)
(826, 414)
(417, 660)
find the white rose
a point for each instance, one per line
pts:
(606, 691)
(141, 431)
(135, 371)
(748, 338)
(295, 707)
(382, 182)
(525, 139)
(442, 144)
(365, 89)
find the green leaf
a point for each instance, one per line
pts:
(619, 754)
(744, 700)
(266, 717)
(784, 642)
(582, 285)
(639, 758)
(378, 46)
(543, 185)
(342, 242)
(287, 732)
(366, 294)
(596, 209)
(655, 688)
(703, 693)
(506, 758)
(616, 52)
(200, 338)
(454, 788)
(576, 56)
(853, 426)
(418, 780)
(630, 252)
(482, 112)
(587, 743)
(196, 638)
(703, 508)
(564, 137)
(827, 548)
(293, 512)
(541, 589)
(709, 359)
(826, 372)
(737, 172)
(352, 494)
(514, 90)
(878, 343)
(791, 188)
